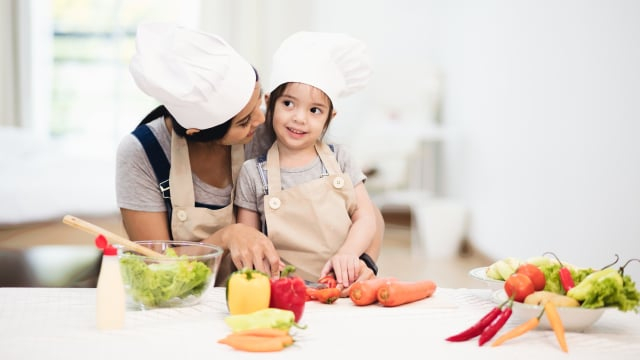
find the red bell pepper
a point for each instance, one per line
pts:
(288, 292)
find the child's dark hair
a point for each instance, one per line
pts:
(205, 135)
(271, 105)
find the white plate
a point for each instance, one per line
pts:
(480, 273)
(574, 319)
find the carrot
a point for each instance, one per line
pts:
(518, 330)
(556, 324)
(266, 332)
(399, 293)
(327, 295)
(366, 292)
(310, 294)
(258, 340)
(255, 343)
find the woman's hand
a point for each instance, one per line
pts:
(249, 248)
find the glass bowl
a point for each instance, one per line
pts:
(179, 279)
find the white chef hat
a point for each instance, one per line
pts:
(198, 77)
(335, 63)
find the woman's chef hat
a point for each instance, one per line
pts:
(198, 77)
(335, 63)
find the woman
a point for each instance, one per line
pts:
(210, 115)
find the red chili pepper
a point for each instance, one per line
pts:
(329, 280)
(288, 292)
(566, 279)
(496, 325)
(477, 328)
(565, 275)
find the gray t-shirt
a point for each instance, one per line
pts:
(136, 183)
(250, 191)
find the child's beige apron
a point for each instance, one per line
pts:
(191, 223)
(308, 223)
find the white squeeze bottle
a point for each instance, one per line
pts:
(110, 297)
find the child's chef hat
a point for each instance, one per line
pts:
(335, 63)
(198, 77)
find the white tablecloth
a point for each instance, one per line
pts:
(59, 323)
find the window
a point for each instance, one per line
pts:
(92, 92)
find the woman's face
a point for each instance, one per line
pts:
(243, 126)
(300, 116)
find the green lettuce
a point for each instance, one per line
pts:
(607, 288)
(154, 284)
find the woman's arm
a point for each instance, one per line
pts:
(144, 225)
(248, 217)
(248, 246)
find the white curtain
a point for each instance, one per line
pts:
(9, 90)
(255, 28)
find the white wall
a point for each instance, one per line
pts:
(546, 96)
(541, 99)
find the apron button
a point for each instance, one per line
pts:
(182, 215)
(338, 182)
(274, 203)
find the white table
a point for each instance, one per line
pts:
(59, 323)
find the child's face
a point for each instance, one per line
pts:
(300, 115)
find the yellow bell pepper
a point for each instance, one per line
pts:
(248, 291)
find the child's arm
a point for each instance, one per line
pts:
(345, 263)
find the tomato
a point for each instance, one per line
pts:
(329, 280)
(518, 286)
(535, 274)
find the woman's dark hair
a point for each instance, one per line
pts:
(214, 133)
(205, 135)
(273, 98)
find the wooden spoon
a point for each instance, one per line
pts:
(111, 237)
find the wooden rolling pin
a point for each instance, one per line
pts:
(111, 237)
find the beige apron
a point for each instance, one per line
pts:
(191, 223)
(308, 223)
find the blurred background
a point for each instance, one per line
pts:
(494, 128)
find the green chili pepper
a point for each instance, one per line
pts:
(265, 318)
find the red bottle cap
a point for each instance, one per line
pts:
(110, 250)
(103, 244)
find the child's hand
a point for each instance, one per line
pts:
(346, 267)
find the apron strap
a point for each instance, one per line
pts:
(265, 183)
(328, 158)
(273, 169)
(183, 195)
(159, 163)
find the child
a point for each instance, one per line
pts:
(306, 195)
